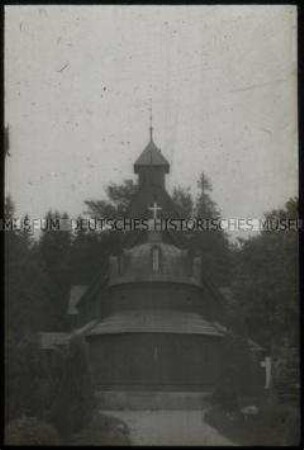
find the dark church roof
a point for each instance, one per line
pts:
(157, 322)
(151, 156)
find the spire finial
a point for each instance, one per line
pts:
(151, 121)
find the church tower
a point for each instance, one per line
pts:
(151, 166)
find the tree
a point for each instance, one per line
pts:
(205, 206)
(9, 208)
(74, 400)
(212, 244)
(183, 199)
(6, 142)
(89, 252)
(27, 311)
(266, 288)
(117, 203)
(53, 252)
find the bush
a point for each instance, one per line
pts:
(103, 430)
(292, 432)
(74, 400)
(226, 397)
(275, 424)
(30, 431)
(284, 420)
(239, 378)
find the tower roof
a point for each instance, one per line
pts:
(151, 156)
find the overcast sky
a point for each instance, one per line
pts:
(223, 83)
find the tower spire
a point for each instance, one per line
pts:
(151, 121)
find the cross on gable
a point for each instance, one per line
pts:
(154, 209)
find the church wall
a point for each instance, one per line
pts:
(156, 361)
(158, 296)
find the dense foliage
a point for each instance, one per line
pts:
(266, 290)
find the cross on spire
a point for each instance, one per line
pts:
(154, 209)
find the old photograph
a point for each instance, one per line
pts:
(151, 225)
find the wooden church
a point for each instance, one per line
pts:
(151, 321)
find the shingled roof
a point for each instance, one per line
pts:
(151, 156)
(156, 322)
